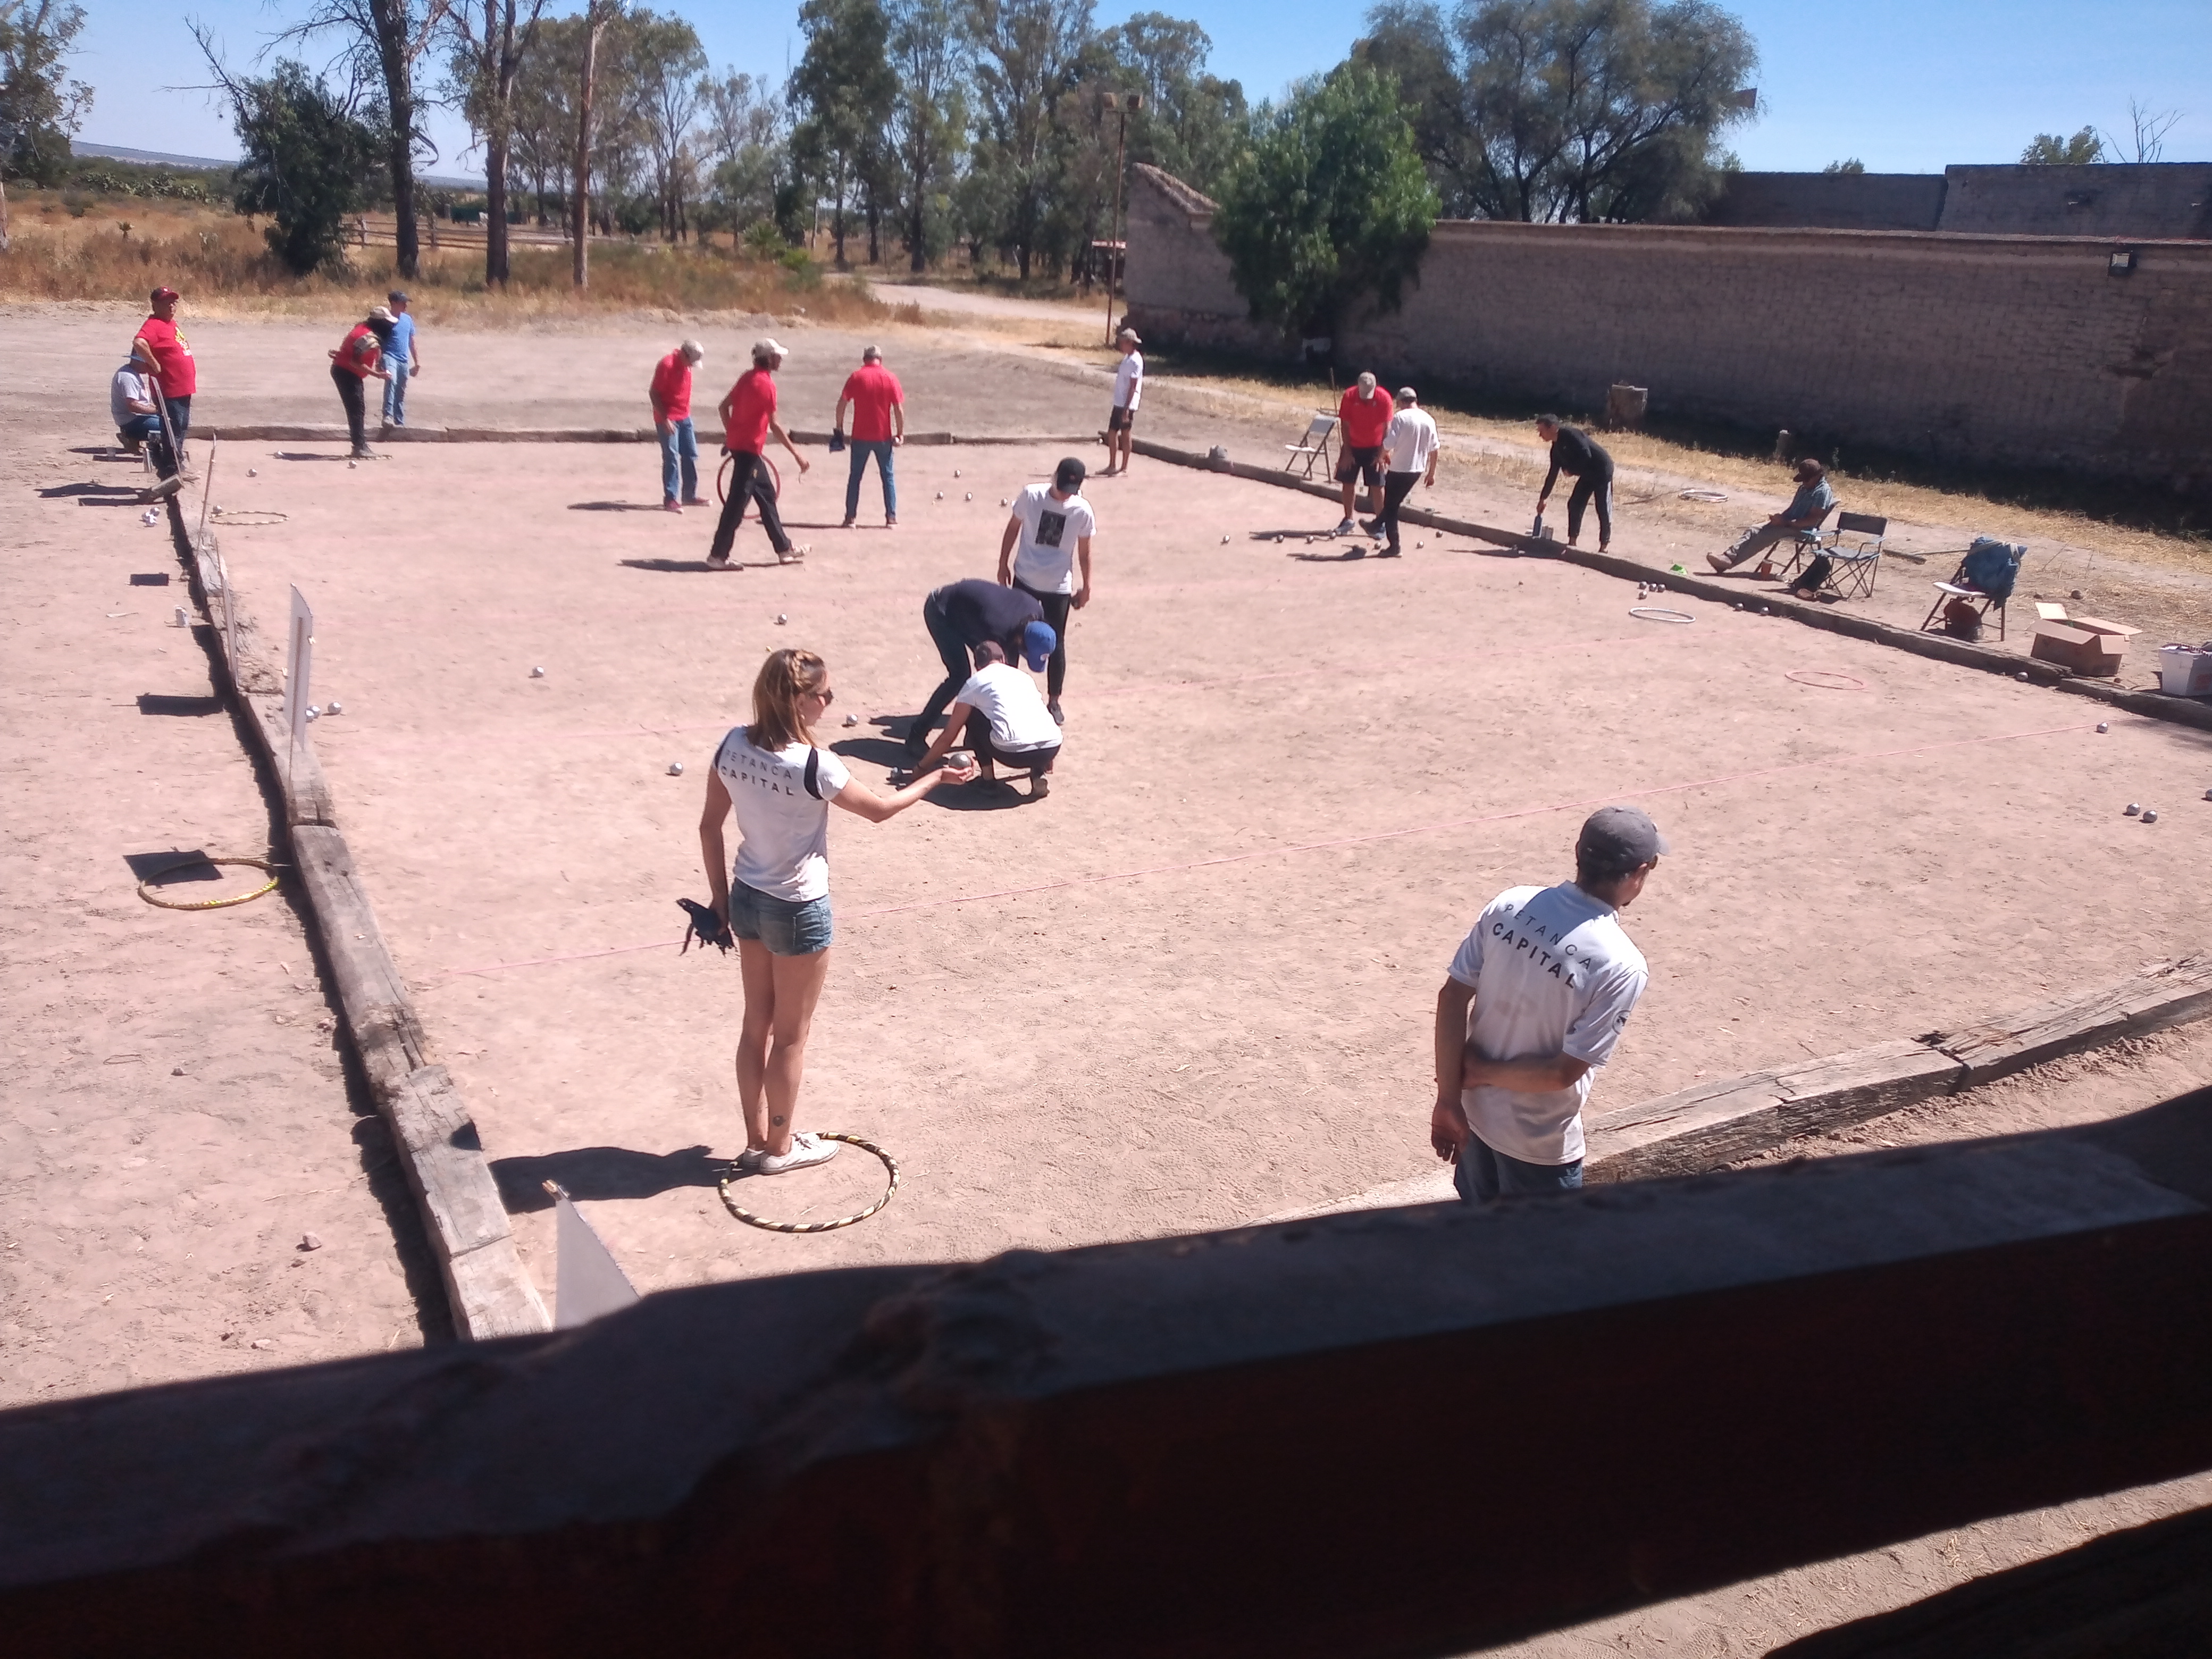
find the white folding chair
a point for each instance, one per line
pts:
(1314, 445)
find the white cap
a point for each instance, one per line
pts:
(693, 351)
(1366, 386)
(764, 347)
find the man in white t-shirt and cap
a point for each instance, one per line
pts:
(1129, 392)
(1005, 721)
(1048, 536)
(1409, 455)
(1535, 1001)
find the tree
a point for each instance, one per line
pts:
(1028, 54)
(40, 107)
(488, 59)
(307, 159)
(1330, 207)
(2049, 150)
(598, 16)
(667, 84)
(1566, 109)
(1191, 124)
(1854, 165)
(544, 109)
(383, 40)
(845, 85)
(745, 138)
(2147, 139)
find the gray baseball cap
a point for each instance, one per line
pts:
(1619, 839)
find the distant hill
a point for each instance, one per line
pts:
(209, 164)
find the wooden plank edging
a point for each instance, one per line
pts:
(1713, 1123)
(488, 1290)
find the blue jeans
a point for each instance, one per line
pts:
(1484, 1176)
(789, 927)
(679, 450)
(147, 429)
(881, 449)
(395, 392)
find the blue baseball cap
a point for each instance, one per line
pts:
(1037, 642)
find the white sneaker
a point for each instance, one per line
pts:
(1344, 529)
(749, 1160)
(805, 1150)
(797, 555)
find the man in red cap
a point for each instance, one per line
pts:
(169, 361)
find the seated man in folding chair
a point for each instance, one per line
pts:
(1811, 503)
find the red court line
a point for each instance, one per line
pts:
(1178, 867)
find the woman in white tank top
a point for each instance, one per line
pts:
(777, 900)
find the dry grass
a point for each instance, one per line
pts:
(219, 260)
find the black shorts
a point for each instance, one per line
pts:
(1119, 419)
(1362, 463)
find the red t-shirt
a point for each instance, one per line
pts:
(1364, 420)
(359, 352)
(752, 406)
(874, 390)
(173, 359)
(672, 388)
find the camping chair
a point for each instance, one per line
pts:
(1983, 582)
(1314, 445)
(1847, 568)
(1805, 545)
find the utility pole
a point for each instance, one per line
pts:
(1120, 106)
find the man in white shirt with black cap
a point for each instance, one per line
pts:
(1535, 1001)
(1048, 538)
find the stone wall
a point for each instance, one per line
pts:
(2161, 201)
(1830, 201)
(2019, 351)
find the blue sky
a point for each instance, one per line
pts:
(1906, 86)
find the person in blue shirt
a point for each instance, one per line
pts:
(1811, 503)
(402, 359)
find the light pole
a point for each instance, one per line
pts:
(1120, 106)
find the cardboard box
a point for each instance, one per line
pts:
(2086, 645)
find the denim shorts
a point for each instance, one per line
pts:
(788, 927)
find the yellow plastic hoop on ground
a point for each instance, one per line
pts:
(269, 886)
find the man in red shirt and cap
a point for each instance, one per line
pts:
(748, 422)
(166, 356)
(879, 426)
(1364, 411)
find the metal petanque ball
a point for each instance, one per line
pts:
(2150, 815)
(2134, 807)
(852, 720)
(2104, 726)
(252, 471)
(351, 466)
(537, 673)
(676, 768)
(335, 708)
(2208, 794)
(780, 619)
(940, 495)
(956, 472)
(1224, 541)
(969, 496)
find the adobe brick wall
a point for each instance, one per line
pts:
(2019, 351)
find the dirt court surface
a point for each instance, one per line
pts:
(174, 1115)
(1192, 988)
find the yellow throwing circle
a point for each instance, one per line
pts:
(268, 887)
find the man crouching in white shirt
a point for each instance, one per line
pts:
(1004, 720)
(1535, 1001)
